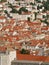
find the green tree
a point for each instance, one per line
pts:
(28, 18)
(6, 11)
(10, 5)
(23, 51)
(3, 0)
(35, 15)
(32, 3)
(14, 11)
(22, 9)
(45, 21)
(46, 5)
(38, 1)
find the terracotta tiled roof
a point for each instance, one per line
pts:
(2, 17)
(2, 49)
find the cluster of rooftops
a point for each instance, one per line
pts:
(18, 31)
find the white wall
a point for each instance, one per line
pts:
(11, 1)
(32, 17)
(40, 16)
(6, 59)
(12, 55)
(2, 20)
(0, 60)
(30, 1)
(21, 17)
